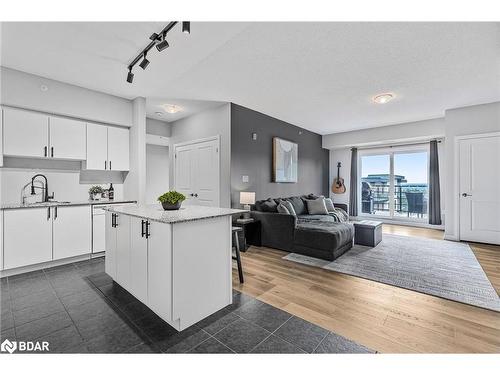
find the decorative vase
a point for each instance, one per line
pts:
(169, 207)
(96, 197)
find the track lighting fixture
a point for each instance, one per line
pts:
(144, 63)
(158, 40)
(163, 44)
(130, 75)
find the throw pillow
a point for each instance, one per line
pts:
(289, 207)
(329, 204)
(298, 205)
(268, 205)
(282, 209)
(316, 207)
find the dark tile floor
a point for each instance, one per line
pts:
(77, 308)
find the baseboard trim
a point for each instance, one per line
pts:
(451, 237)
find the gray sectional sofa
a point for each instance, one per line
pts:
(319, 236)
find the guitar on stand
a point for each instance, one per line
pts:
(338, 186)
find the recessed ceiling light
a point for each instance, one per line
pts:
(171, 108)
(383, 98)
(44, 88)
(159, 114)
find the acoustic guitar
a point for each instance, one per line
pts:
(338, 186)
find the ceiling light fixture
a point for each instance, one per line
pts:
(171, 108)
(160, 41)
(383, 98)
(159, 114)
(144, 63)
(163, 44)
(130, 75)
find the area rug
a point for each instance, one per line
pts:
(440, 268)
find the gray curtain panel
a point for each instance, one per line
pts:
(434, 193)
(353, 192)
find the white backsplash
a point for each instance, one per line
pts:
(65, 185)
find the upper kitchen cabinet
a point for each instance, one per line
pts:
(25, 133)
(107, 148)
(67, 138)
(35, 135)
(118, 149)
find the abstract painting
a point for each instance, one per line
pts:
(285, 160)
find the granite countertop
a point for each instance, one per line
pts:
(187, 213)
(11, 206)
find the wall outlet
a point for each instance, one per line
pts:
(244, 178)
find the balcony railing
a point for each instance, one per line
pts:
(409, 200)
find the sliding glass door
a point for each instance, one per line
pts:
(394, 183)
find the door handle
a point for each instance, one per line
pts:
(52, 152)
(142, 228)
(45, 151)
(466, 195)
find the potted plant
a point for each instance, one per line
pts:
(95, 192)
(171, 200)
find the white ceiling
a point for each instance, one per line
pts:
(320, 76)
(188, 108)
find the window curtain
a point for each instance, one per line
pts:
(434, 189)
(353, 193)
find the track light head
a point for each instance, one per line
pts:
(186, 27)
(163, 44)
(154, 36)
(130, 76)
(144, 63)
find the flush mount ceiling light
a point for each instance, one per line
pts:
(159, 40)
(171, 108)
(383, 98)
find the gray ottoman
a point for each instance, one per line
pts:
(367, 233)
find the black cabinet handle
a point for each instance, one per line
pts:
(196, 195)
(147, 229)
(48, 213)
(110, 165)
(52, 152)
(142, 228)
(55, 212)
(45, 151)
(113, 221)
(105, 164)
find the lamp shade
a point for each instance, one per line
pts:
(247, 197)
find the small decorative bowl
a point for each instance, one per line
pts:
(169, 207)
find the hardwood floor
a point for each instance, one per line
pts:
(379, 316)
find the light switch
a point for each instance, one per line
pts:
(244, 178)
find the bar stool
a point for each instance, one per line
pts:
(235, 231)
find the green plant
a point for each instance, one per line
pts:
(96, 189)
(171, 197)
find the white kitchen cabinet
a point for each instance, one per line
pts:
(139, 259)
(118, 149)
(71, 231)
(122, 223)
(110, 258)
(107, 148)
(159, 266)
(98, 230)
(25, 133)
(1, 142)
(27, 236)
(97, 147)
(67, 139)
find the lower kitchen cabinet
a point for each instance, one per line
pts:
(122, 226)
(71, 231)
(27, 236)
(110, 232)
(139, 259)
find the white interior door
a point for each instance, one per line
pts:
(184, 172)
(479, 182)
(197, 169)
(207, 173)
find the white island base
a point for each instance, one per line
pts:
(181, 269)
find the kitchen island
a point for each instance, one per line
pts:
(178, 263)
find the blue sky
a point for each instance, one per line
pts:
(412, 165)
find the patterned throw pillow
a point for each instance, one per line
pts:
(282, 209)
(329, 204)
(289, 207)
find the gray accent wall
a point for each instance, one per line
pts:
(253, 158)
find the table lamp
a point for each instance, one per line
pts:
(246, 199)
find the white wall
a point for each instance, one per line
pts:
(157, 172)
(19, 89)
(214, 121)
(405, 132)
(476, 119)
(157, 127)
